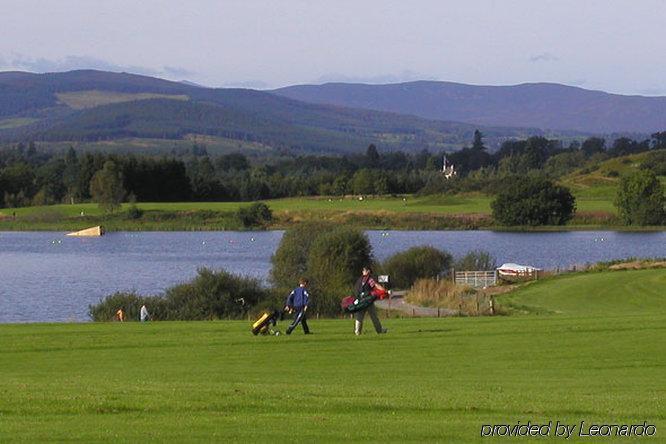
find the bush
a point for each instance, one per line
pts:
(256, 215)
(476, 260)
(640, 199)
(655, 161)
(130, 303)
(289, 260)
(533, 201)
(445, 294)
(134, 212)
(330, 257)
(406, 267)
(210, 295)
(334, 262)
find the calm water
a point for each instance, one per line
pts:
(51, 277)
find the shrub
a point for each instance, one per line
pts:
(48, 215)
(330, 257)
(406, 267)
(130, 303)
(655, 161)
(210, 295)
(289, 260)
(476, 260)
(257, 214)
(446, 294)
(640, 199)
(334, 262)
(533, 201)
(134, 212)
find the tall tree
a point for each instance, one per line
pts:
(593, 145)
(70, 176)
(659, 140)
(372, 154)
(106, 187)
(477, 144)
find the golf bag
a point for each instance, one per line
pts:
(352, 304)
(264, 323)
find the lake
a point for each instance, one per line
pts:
(48, 277)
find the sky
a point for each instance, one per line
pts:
(615, 46)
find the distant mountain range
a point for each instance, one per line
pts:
(94, 106)
(546, 106)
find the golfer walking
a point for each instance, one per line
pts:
(298, 301)
(366, 284)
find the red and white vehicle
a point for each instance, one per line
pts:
(512, 271)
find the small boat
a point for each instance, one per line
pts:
(89, 232)
(512, 271)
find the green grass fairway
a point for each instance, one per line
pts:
(428, 380)
(607, 294)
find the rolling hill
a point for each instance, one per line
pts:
(93, 106)
(536, 105)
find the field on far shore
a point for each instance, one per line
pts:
(473, 204)
(594, 353)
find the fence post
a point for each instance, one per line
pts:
(388, 314)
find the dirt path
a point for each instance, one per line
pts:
(398, 303)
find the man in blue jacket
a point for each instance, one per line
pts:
(298, 301)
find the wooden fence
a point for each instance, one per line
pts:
(475, 279)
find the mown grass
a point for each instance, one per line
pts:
(593, 293)
(428, 380)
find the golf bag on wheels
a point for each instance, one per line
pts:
(264, 323)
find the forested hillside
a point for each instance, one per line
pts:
(98, 106)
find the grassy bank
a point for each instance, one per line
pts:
(408, 212)
(600, 360)
(592, 293)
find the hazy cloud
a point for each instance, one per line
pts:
(544, 57)
(656, 91)
(71, 62)
(405, 76)
(251, 84)
(175, 71)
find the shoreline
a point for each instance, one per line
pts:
(175, 225)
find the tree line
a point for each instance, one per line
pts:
(29, 176)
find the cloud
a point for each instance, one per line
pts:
(71, 62)
(653, 91)
(544, 57)
(175, 71)
(252, 84)
(405, 76)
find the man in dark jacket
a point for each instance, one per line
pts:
(365, 285)
(298, 301)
